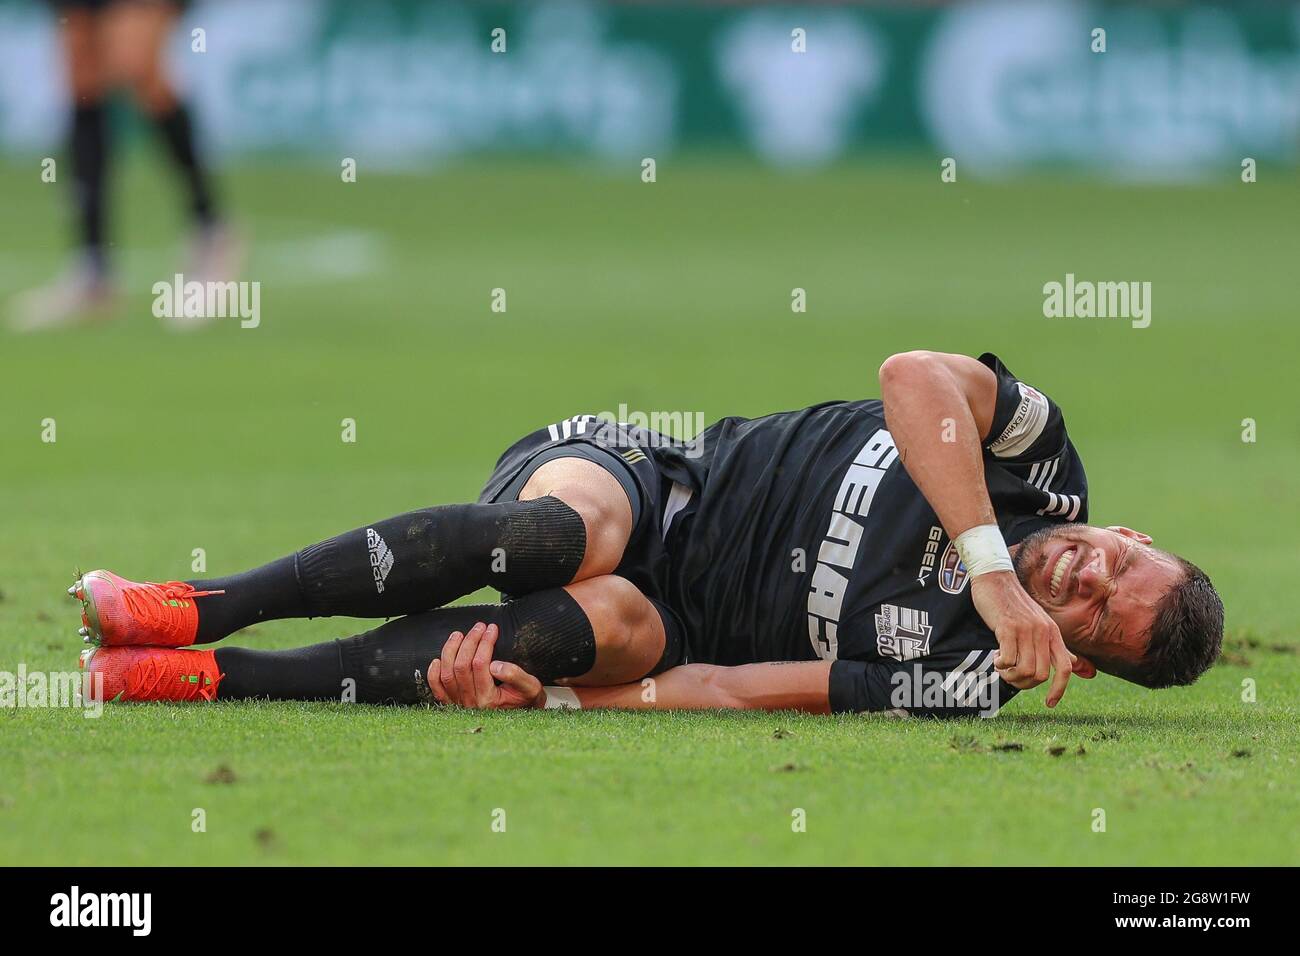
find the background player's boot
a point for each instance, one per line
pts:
(81, 295)
(216, 254)
(151, 673)
(115, 611)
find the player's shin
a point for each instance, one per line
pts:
(547, 633)
(413, 562)
(425, 559)
(89, 145)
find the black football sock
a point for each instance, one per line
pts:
(178, 133)
(267, 593)
(416, 561)
(545, 633)
(89, 143)
(425, 559)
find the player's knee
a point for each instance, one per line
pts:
(627, 628)
(87, 86)
(134, 68)
(608, 522)
(87, 79)
(599, 498)
(608, 529)
(627, 612)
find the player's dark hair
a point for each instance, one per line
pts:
(1186, 634)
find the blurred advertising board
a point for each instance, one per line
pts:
(1175, 90)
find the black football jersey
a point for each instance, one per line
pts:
(806, 539)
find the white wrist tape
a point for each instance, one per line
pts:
(983, 551)
(561, 698)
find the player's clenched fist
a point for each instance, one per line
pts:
(1029, 642)
(467, 675)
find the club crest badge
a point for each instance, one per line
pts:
(952, 572)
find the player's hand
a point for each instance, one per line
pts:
(1029, 642)
(467, 675)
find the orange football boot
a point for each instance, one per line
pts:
(151, 673)
(115, 611)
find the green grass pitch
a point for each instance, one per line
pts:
(676, 296)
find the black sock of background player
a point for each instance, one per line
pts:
(546, 633)
(413, 562)
(89, 143)
(178, 133)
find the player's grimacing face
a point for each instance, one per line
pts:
(1100, 585)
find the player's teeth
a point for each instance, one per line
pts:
(83, 631)
(1059, 571)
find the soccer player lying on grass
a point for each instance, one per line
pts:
(924, 552)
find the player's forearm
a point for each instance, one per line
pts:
(937, 413)
(775, 686)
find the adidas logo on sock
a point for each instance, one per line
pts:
(381, 559)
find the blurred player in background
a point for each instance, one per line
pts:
(112, 45)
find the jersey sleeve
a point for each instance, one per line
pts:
(1039, 476)
(1027, 425)
(926, 687)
